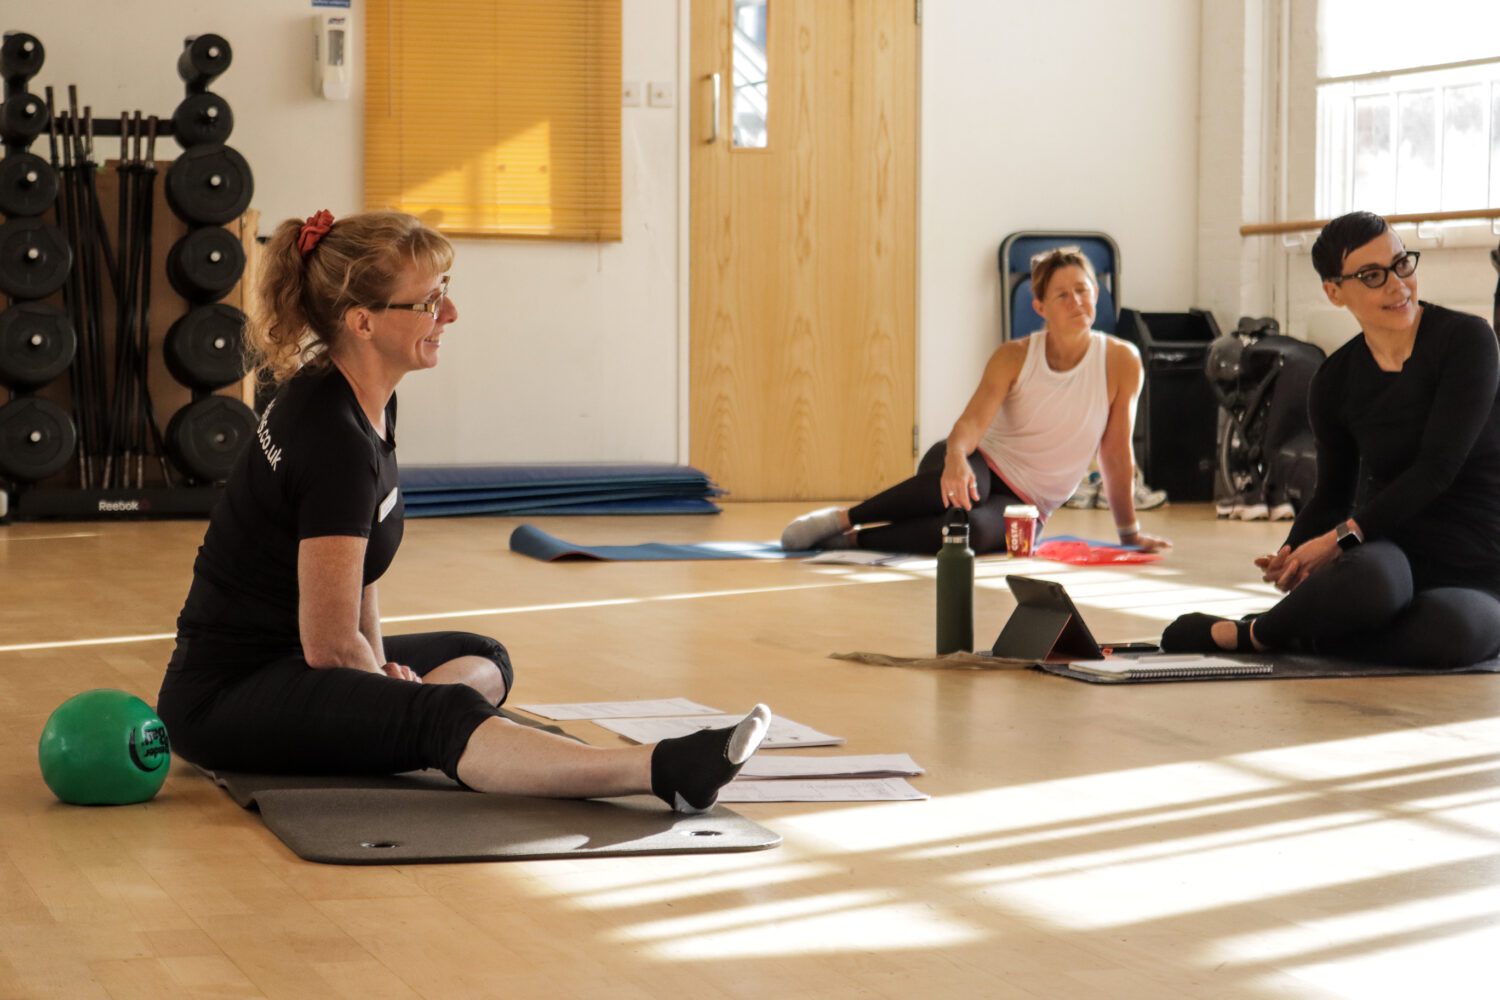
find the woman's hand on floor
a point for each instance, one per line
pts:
(1147, 542)
(960, 488)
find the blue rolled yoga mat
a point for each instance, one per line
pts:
(532, 541)
(446, 490)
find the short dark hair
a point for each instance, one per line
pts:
(1342, 236)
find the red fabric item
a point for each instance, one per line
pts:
(1084, 554)
(313, 230)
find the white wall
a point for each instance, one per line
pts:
(563, 352)
(1080, 114)
(1077, 115)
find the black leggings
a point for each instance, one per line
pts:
(284, 717)
(914, 508)
(1365, 605)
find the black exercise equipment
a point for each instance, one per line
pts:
(21, 58)
(34, 258)
(36, 439)
(203, 58)
(28, 185)
(37, 343)
(206, 436)
(202, 119)
(23, 117)
(210, 185)
(205, 348)
(205, 264)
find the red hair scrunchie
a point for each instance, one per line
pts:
(313, 230)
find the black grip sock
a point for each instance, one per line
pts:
(688, 771)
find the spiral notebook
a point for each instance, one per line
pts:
(1162, 666)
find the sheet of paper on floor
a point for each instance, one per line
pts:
(821, 790)
(640, 708)
(877, 765)
(784, 732)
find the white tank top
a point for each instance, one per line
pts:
(1047, 431)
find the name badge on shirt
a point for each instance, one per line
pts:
(388, 504)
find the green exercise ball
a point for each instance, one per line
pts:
(104, 747)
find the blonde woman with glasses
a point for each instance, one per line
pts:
(281, 664)
(1046, 404)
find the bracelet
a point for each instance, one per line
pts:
(1127, 530)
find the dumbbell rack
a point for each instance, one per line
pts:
(156, 490)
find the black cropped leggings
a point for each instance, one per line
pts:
(284, 717)
(914, 508)
(1365, 605)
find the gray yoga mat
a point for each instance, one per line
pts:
(1286, 666)
(425, 817)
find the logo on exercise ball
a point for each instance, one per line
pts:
(149, 749)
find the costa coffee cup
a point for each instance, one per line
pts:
(1021, 520)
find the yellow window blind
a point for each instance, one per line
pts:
(495, 117)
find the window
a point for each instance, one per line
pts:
(1408, 107)
(495, 117)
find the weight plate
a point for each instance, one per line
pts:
(205, 348)
(205, 264)
(34, 258)
(207, 436)
(36, 439)
(23, 117)
(21, 56)
(210, 185)
(202, 119)
(28, 184)
(204, 58)
(37, 343)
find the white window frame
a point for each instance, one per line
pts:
(1336, 98)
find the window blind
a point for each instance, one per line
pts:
(495, 117)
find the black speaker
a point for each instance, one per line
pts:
(1177, 417)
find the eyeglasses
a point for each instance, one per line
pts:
(433, 306)
(1374, 276)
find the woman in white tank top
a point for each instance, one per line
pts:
(1045, 406)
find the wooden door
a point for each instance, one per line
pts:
(803, 267)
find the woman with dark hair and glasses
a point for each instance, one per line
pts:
(1046, 405)
(1396, 558)
(281, 664)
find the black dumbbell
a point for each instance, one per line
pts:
(210, 185)
(28, 184)
(23, 117)
(21, 58)
(205, 264)
(202, 119)
(203, 58)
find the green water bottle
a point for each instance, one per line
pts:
(955, 591)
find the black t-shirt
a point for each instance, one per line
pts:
(1414, 456)
(316, 468)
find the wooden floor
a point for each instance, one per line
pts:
(1257, 839)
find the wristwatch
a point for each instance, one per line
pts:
(1346, 537)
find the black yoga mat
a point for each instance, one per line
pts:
(425, 817)
(1285, 666)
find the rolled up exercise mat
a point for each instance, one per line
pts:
(601, 488)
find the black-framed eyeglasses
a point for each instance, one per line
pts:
(433, 306)
(1374, 276)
